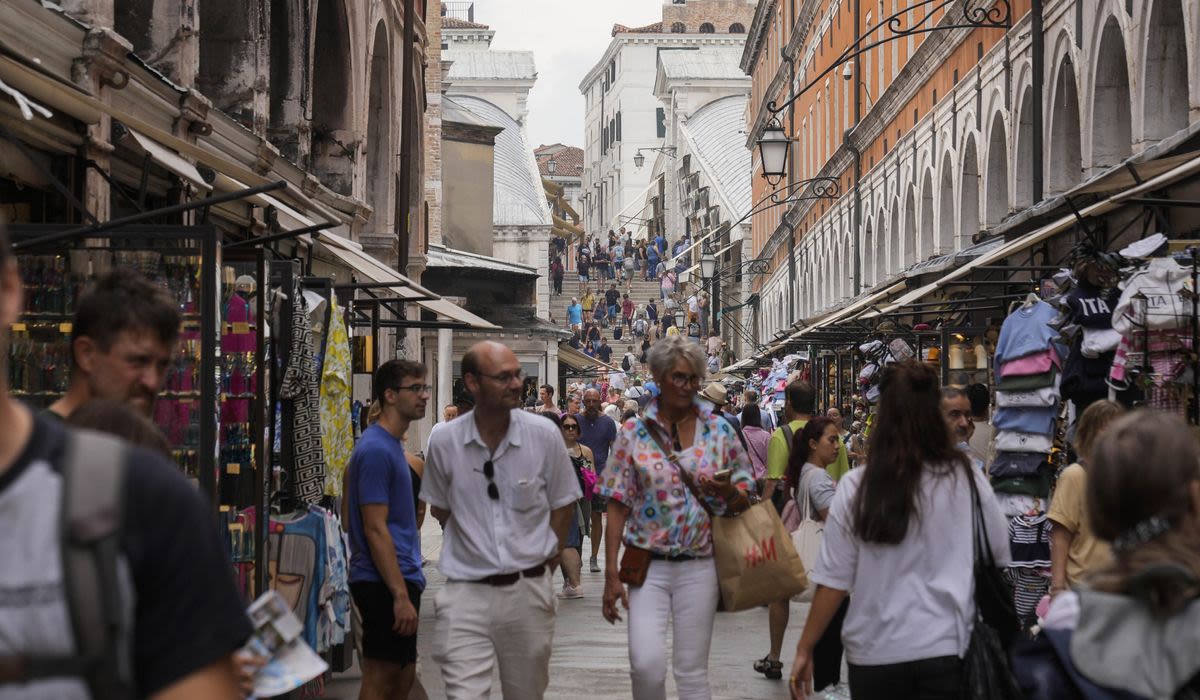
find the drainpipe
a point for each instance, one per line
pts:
(855, 238)
(791, 161)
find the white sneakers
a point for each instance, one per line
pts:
(570, 592)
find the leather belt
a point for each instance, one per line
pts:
(510, 579)
(675, 557)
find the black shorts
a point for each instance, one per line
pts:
(379, 642)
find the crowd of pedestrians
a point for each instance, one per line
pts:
(648, 468)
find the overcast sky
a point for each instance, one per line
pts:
(567, 37)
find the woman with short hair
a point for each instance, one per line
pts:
(660, 465)
(899, 536)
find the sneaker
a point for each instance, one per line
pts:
(835, 692)
(571, 592)
(593, 565)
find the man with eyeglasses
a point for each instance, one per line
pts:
(386, 579)
(502, 485)
(598, 432)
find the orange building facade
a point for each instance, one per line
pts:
(930, 135)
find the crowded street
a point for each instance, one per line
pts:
(649, 349)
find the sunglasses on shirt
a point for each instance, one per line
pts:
(489, 471)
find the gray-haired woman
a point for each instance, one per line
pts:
(652, 507)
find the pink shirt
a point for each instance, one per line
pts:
(1037, 363)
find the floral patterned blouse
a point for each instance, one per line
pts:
(664, 516)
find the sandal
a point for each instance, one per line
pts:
(770, 669)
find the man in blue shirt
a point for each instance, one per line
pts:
(385, 544)
(598, 432)
(575, 314)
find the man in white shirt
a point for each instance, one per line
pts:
(501, 483)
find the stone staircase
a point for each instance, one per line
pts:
(639, 290)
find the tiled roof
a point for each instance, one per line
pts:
(449, 22)
(711, 63)
(713, 135)
(568, 162)
(520, 199)
(656, 28)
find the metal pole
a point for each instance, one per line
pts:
(857, 233)
(1037, 162)
(791, 269)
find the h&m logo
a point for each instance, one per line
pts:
(761, 552)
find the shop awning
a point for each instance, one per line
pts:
(352, 255)
(442, 257)
(1182, 169)
(171, 160)
(578, 361)
(716, 255)
(641, 197)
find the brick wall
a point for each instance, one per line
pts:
(720, 13)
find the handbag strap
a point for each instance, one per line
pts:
(653, 431)
(979, 528)
(802, 493)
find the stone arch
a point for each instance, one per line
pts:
(287, 90)
(737, 28)
(996, 185)
(927, 236)
(707, 28)
(968, 198)
(333, 140)
(1065, 166)
(1023, 192)
(895, 247)
(848, 274)
(870, 251)
(1165, 86)
(1112, 135)
(908, 248)
(228, 43)
(678, 28)
(945, 226)
(380, 107)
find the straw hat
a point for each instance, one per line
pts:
(715, 392)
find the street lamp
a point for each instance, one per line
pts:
(639, 160)
(551, 166)
(773, 151)
(680, 317)
(708, 263)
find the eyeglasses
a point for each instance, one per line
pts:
(415, 388)
(505, 378)
(683, 381)
(489, 470)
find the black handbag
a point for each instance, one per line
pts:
(986, 672)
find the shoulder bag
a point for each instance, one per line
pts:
(986, 671)
(755, 559)
(806, 538)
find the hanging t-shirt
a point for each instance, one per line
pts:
(1026, 331)
(1039, 421)
(1007, 465)
(1013, 441)
(1026, 383)
(1091, 307)
(1033, 398)
(1037, 363)
(337, 439)
(1163, 282)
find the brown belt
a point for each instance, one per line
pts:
(510, 579)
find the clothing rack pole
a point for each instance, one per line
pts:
(1195, 412)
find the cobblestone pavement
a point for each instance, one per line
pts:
(590, 658)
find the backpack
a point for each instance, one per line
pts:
(96, 584)
(626, 364)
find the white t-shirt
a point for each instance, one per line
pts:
(914, 600)
(533, 473)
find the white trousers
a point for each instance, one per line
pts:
(479, 625)
(688, 592)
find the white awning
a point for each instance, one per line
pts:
(167, 158)
(640, 198)
(289, 218)
(352, 255)
(717, 254)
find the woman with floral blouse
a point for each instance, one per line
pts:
(652, 507)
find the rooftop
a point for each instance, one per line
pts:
(713, 134)
(456, 23)
(520, 199)
(655, 28)
(484, 64)
(568, 161)
(709, 63)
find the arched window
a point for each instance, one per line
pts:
(737, 28)
(707, 28)
(678, 28)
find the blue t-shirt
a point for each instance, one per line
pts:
(575, 314)
(1026, 331)
(598, 435)
(379, 474)
(1038, 420)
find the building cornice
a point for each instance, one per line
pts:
(800, 32)
(672, 39)
(757, 36)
